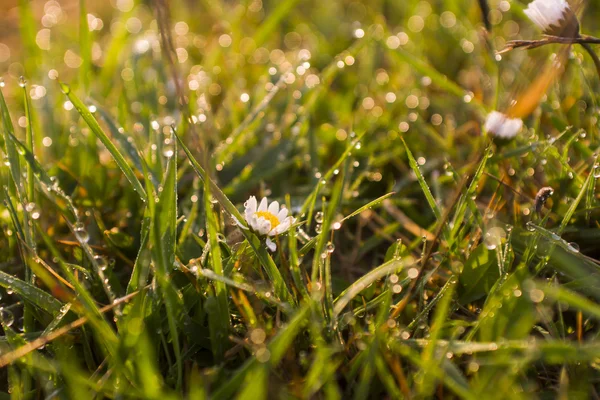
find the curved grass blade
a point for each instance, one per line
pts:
(363, 282)
(95, 128)
(368, 206)
(219, 320)
(39, 298)
(164, 231)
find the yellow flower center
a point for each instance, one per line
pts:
(269, 217)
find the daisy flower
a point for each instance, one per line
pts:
(551, 16)
(500, 125)
(267, 219)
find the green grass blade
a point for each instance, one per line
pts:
(30, 293)
(88, 117)
(163, 247)
(363, 282)
(219, 314)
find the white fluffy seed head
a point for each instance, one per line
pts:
(548, 14)
(500, 125)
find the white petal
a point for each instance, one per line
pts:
(282, 214)
(250, 207)
(274, 208)
(263, 204)
(271, 245)
(283, 226)
(253, 222)
(264, 226)
(547, 13)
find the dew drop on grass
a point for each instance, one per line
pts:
(530, 226)
(7, 317)
(81, 233)
(168, 151)
(573, 247)
(34, 210)
(102, 262)
(2, 82)
(22, 81)
(330, 247)
(596, 172)
(319, 217)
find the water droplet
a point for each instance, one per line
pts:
(413, 273)
(102, 262)
(22, 81)
(530, 226)
(596, 171)
(319, 217)
(33, 210)
(81, 233)
(168, 151)
(7, 317)
(573, 247)
(330, 247)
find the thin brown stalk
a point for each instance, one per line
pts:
(532, 44)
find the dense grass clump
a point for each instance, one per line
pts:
(427, 258)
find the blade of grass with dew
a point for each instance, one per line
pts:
(466, 198)
(85, 304)
(429, 356)
(363, 282)
(369, 205)
(126, 142)
(294, 262)
(40, 173)
(309, 203)
(281, 289)
(88, 117)
(43, 300)
(28, 318)
(218, 315)
(245, 286)
(26, 251)
(424, 187)
(163, 239)
(323, 237)
(9, 147)
(141, 267)
(575, 203)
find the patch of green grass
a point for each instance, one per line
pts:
(417, 267)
